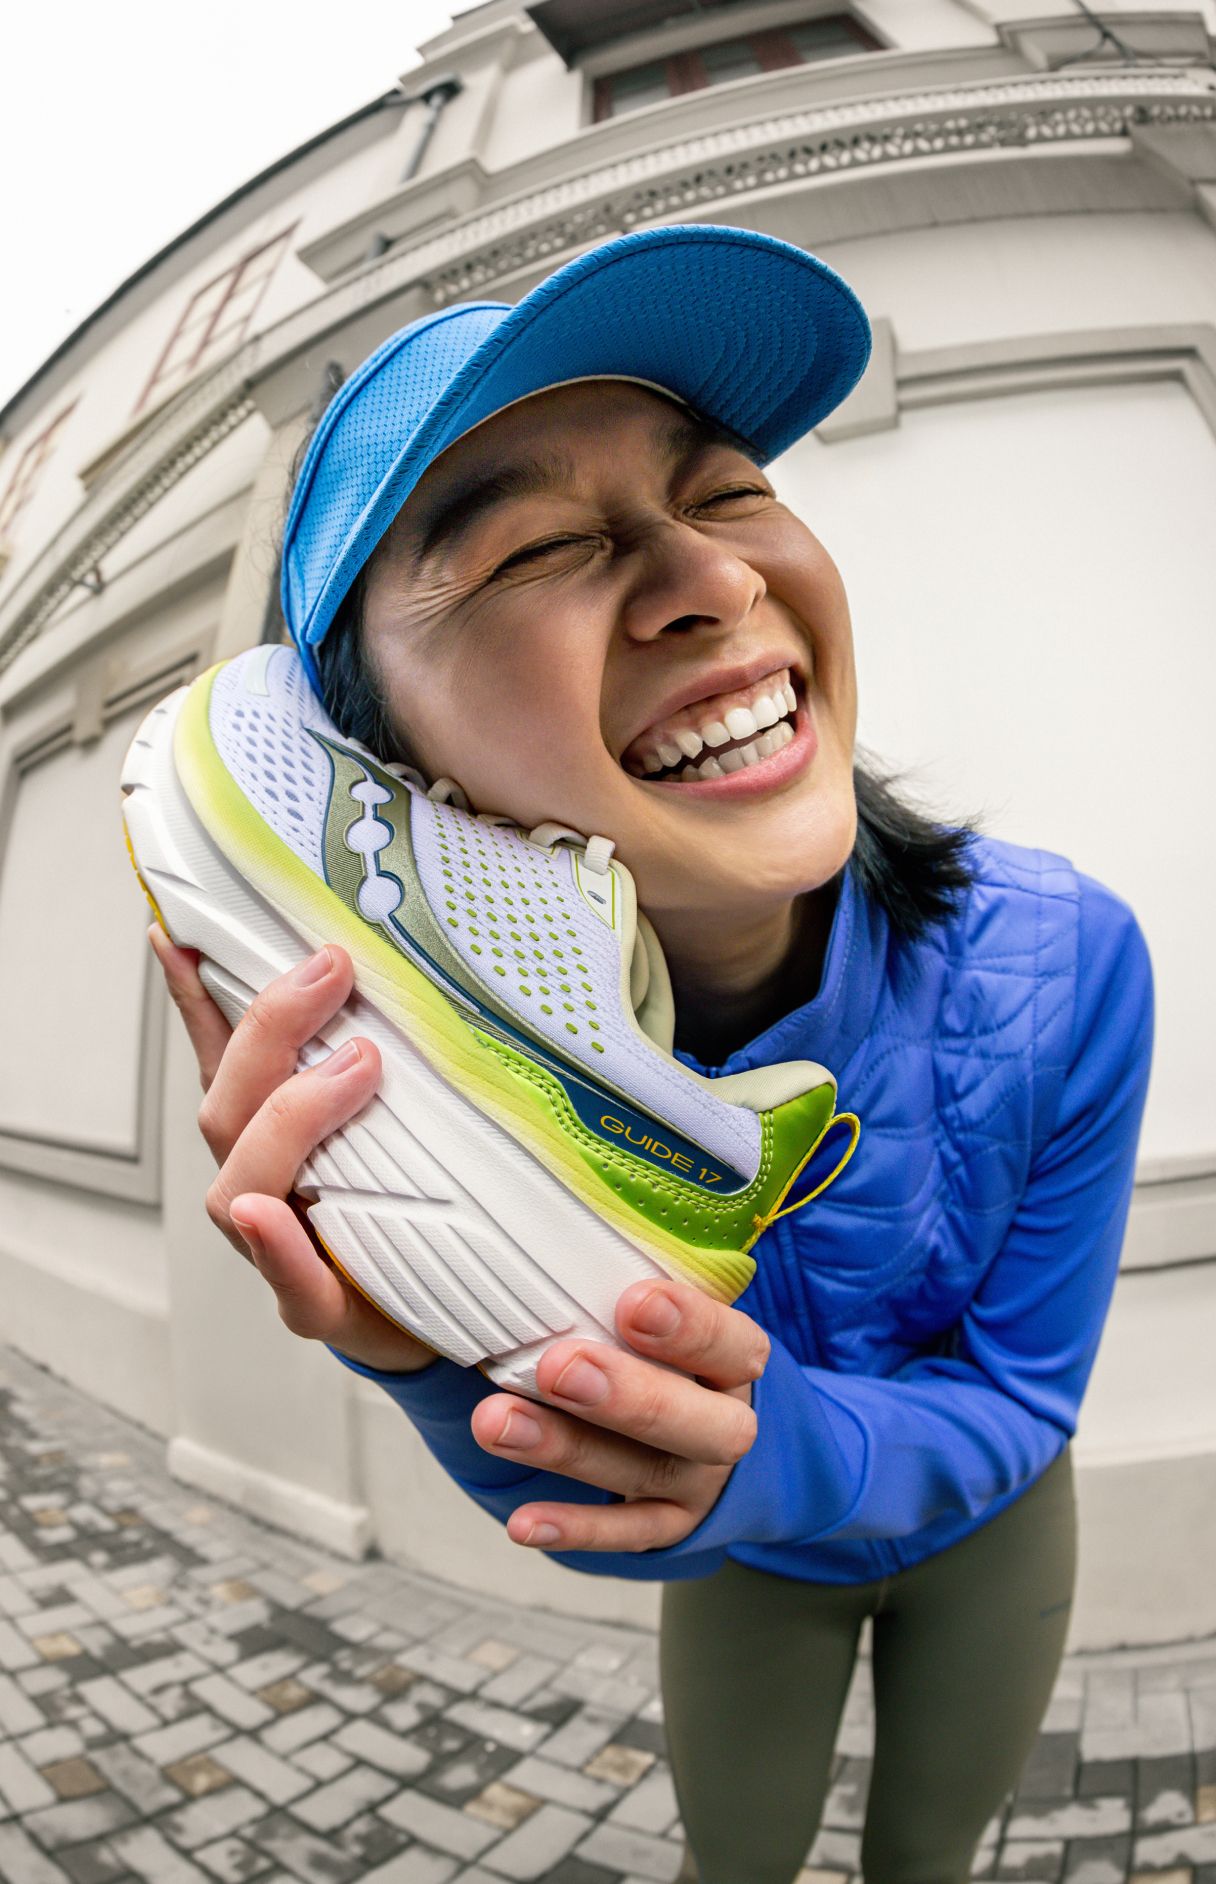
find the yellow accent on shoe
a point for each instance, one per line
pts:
(837, 1118)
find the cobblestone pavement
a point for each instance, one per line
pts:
(187, 1696)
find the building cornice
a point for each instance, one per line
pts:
(536, 229)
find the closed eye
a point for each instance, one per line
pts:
(534, 552)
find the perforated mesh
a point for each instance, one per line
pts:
(263, 741)
(513, 914)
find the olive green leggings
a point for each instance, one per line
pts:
(966, 1646)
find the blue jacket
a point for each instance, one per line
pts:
(935, 1315)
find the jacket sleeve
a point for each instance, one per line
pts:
(857, 1456)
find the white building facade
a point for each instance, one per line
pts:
(1021, 497)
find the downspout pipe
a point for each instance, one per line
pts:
(436, 96)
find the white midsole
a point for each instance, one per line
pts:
(397, 1189)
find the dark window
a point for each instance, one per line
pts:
(831, 37)
(216, 317)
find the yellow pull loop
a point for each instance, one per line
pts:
(837, 1118)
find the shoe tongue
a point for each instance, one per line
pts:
(650, 985)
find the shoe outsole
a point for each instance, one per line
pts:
(393, 1195)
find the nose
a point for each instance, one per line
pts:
(686, 580)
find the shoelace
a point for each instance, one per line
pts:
(445, 791)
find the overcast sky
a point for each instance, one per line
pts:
(123, 120)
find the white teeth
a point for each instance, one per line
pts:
(768, 744)
(690, 743)
(741, 722)
(669, 752)
(689, 771)
(714, 733)
(750, 754)
(732, 762)
(791, 698)
(766, 711)
(652, 762)
(709, 768)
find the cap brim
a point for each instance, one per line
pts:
(748, 330)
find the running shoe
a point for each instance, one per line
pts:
(534, 1146)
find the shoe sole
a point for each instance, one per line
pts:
(393, 1195)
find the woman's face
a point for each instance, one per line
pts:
(589, 587)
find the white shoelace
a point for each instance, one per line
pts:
(597, 851)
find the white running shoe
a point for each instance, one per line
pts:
(534, 1146)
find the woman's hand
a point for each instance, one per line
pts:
(666, 1441)
(261, 1119)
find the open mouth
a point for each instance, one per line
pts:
(720, 735)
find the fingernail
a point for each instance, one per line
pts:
(340, 1061)
(656, 1314)
(543, 1534)
(582, 1381)
(519, 1430)
(256, 1246)
(314, 969)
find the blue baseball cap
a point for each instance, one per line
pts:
(749, 331)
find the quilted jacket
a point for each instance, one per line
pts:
(935, 1315)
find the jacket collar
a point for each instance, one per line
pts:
(837, 1019)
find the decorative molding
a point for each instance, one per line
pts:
(829, 141)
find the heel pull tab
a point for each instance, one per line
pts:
(838, 1118)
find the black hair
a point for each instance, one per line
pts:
(917, 870)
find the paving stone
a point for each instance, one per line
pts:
(1097, 1860)
(198, 1775)
(1106, 1779)
(135, 1778)
(231, 1702)
(416, 1866)
(232, 1861)
(273, 1778)
(20, 1859)
(433, 1823)
(1184, 1844)
(619, 1765)
(78, 1820)
(364, 1740)
(538, 1774)
(297, 1729)
(537, 1845)
(73, 1779)
(516, 1682)
(618, 1847)
(1165, 1791)
(501, 1805)
(1031, 1858)
(18, 1714)
(333, 1805)
(1086, 1818)
(148, 1855)
(213, 1816)
(1051, 1770)
(303, 1856)
(22, 1787)
(461, 1778)
(195, 1734)
(322, 1759)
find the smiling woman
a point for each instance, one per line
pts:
(533, 566)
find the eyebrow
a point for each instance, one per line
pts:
(680, 438)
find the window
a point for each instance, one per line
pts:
(830, 37)
(28, 470)
(216, 318)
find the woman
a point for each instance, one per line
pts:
(538, 598)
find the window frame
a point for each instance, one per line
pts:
(28, 470)
(772, 46)
(210, 326)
